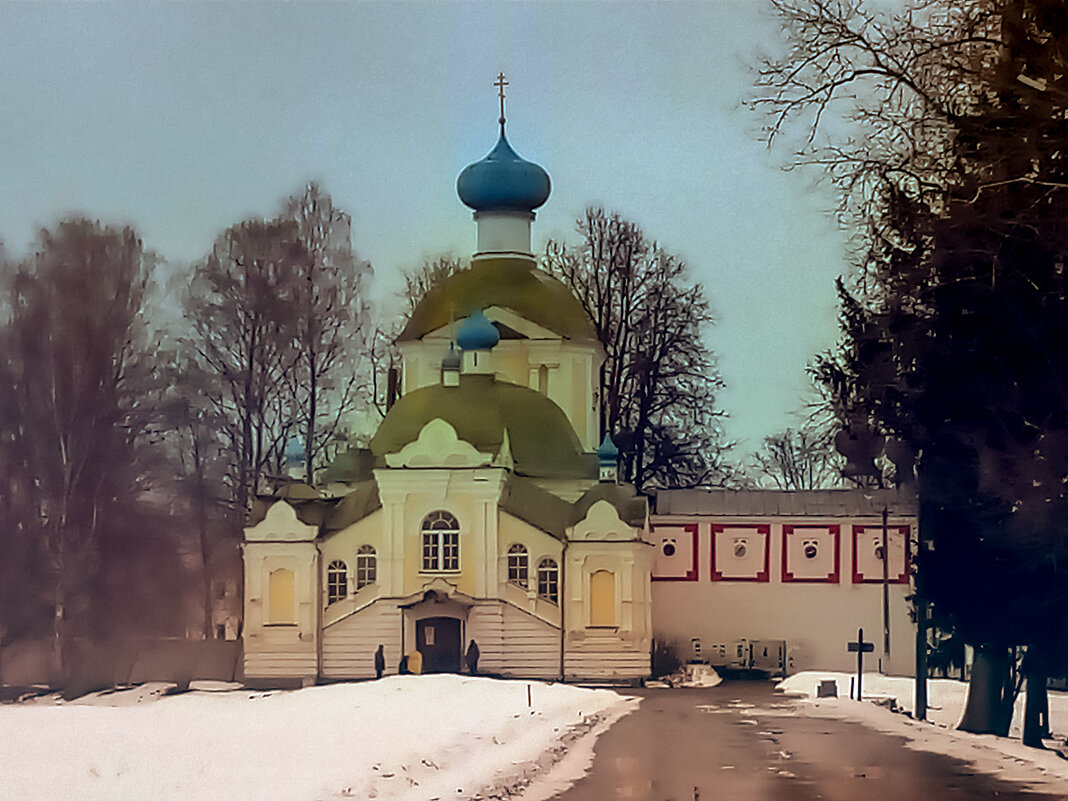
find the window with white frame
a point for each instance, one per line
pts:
(366, 566)
(518, 564)
(337, 576)
(441, 542)
(549, 580)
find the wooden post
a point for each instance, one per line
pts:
(886, 590)
(861, 648)
(921, 659)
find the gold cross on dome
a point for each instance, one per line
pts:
(500, 83)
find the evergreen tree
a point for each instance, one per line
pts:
(954, 327)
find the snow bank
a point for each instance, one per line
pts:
(403, 737)
(1005, 757)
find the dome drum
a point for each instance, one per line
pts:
(503, 232)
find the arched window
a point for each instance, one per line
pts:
(602, 598)
(337, 581)
(549, 580)
(441, 542)
(518, 564)
(366, 566)
(280, 598)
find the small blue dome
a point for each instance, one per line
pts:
(608, 453)
(477, 332)
(503, 181)
(294, 452)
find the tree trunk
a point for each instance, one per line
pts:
(1036, 710)
(205, 545)
(984, 711)
(59, 627)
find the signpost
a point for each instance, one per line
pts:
(861, 648)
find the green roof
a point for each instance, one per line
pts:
(524, 499)
(543, 510)
(349, 466)
(356, 505)
(540, 437)
(511, 283)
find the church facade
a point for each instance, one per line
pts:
(484, 529)
(485, 511)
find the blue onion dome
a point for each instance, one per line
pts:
(477, 332)
(294, 452)
(503, 181)
(608, 453)
(452, 359)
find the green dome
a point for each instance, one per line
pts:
(508, 282)
(540, 438)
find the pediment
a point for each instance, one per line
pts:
(438, 446)
(281, 524)
(602, 522)
(505, 317)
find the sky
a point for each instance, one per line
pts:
(183, 118)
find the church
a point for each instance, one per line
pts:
(486, 521)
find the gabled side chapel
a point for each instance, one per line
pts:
(486, 511)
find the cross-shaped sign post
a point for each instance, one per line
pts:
(861, 648)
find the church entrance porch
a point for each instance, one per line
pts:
(438, 640)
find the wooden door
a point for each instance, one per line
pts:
(438, 640)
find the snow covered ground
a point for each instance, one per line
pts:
(1008, 758)
(403, 737)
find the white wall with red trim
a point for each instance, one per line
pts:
(811, 581)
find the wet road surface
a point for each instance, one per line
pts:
(742, 742)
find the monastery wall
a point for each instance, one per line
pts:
(721, 580)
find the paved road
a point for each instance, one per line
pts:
(717, 745)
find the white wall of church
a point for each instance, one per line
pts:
(349, 643)
(469, 495)
(279, 643)
(817, 614)
(607, 594)
(514, 643)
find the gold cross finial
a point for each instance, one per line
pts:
(500, 83)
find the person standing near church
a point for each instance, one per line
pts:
(471, 658)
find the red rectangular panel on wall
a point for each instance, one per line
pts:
(740, 552)
(810, 553)
(676, 552)
(867, 560)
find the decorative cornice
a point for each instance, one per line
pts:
(438, 446)
(602, 522)
(281, 524)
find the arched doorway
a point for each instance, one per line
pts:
(438, 640)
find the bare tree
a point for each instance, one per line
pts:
(800, 458)
(243, 308)
(73, 468)
(332, 326)
(419, 282)
(658, 383)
